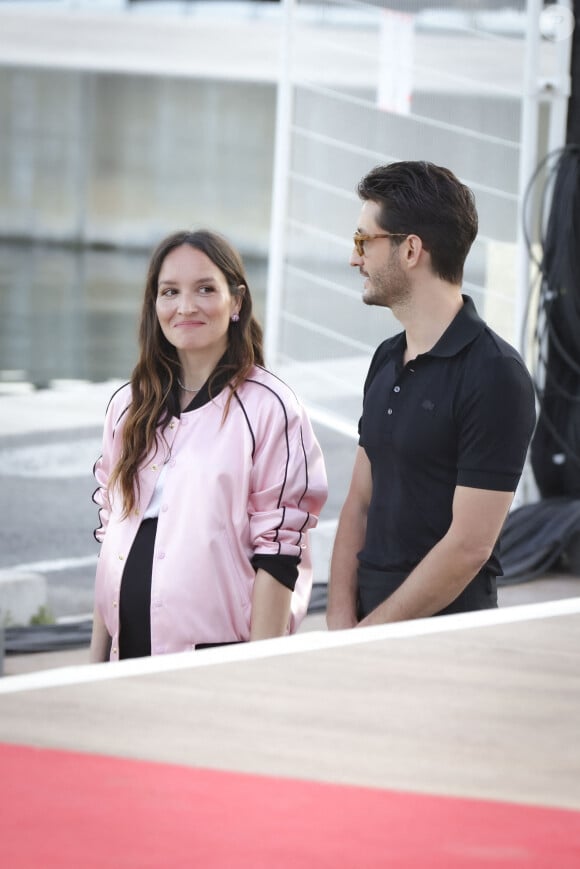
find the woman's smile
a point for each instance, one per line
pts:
(194, 303)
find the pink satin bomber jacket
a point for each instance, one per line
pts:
(254, 483)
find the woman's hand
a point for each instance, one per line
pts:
(100, 640)
(270, 607)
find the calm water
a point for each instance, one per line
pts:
(73, 313)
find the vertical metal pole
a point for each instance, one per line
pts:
(560, 86)
(280, 180)
(528, 160)
(528, 163)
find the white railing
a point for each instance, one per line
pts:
(468, 93)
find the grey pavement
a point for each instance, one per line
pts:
(49, 441)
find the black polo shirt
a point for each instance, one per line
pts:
(461, 414)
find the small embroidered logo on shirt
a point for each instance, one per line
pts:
(427, 404)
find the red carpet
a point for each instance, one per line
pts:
(62, 809)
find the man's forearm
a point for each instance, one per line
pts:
(435, 583)
(478, 516)
(342, 585)
(350, 538)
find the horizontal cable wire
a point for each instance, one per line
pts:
(323, 282)
(315, 230)
(328, 333)
(350, 51)
(308, 180)
(419, 119)
(347, 147)
(315, 183)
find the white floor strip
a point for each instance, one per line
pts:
(306, 642)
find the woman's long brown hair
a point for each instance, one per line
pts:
(154, 376)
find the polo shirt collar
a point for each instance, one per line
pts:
(463, 329)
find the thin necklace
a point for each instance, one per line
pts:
(186, 389)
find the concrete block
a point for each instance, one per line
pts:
(21, 596)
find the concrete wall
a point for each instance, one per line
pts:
(123, 159)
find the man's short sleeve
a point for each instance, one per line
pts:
(497, 418)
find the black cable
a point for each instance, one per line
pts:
(538, 536)
(555, 343)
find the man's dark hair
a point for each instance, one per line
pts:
(419, 198)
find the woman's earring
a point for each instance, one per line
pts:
(235, 318)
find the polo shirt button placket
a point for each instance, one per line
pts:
(390, 409)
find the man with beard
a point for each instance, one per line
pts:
(448, 413)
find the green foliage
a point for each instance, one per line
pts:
(42, 616)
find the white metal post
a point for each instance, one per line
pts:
(559, 82)
(280, 180)
(528, 159)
